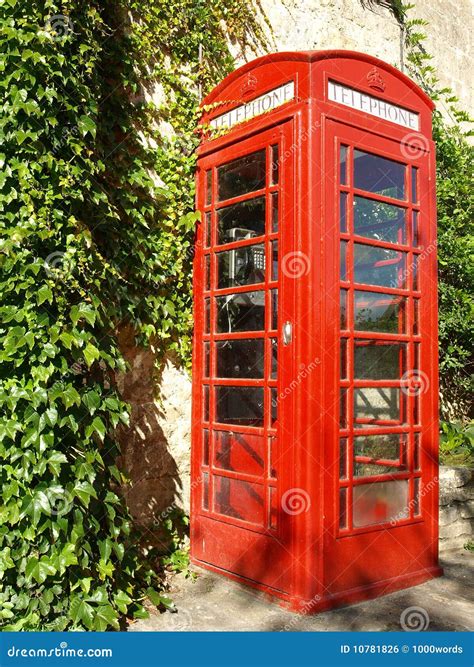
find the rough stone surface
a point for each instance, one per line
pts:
(362, 25)
(451, 478)
(156, 445)
(456, 507)
(214, 603)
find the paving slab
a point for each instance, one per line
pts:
(212, 602)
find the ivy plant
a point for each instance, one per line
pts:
(96, 220)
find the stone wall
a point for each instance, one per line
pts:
(456, 507)
(363, 25)
(156, 445)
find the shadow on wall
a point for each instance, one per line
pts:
(156, 445)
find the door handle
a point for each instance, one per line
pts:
(287, 333)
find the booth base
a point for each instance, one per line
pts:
(323, 603)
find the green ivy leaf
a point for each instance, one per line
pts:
(105, 617)
(44, 294)
(86, 125)
(39, 570)
(81, 611)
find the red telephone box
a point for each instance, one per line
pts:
(315, 415)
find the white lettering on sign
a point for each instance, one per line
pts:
(271, 100)
(372, 105)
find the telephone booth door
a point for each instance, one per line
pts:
(384, 504)
(242, 461)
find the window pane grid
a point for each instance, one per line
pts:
(251, 367)
(379, 315)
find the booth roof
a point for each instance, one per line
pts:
(313, 56)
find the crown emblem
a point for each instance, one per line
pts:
(375, 80)
(249, 86)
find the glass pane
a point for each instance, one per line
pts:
(379, 266)
(414, 184)
(416, 407)
(379, 312)
(239, 405)
(275, 212)
(343, 164)
(379, 175)
(343, 408)
(241, 358)
(274, 260)
(207, 355)
(343, 260)
(206, 403)
(416, 316)
(375, 360)
(239, 452)
(205, 447)
(343, 212)
(275, 163)
(380, 502)
(377, 220)
(416, 496)
(208, 230)
(274, 364)
(205, 490)
(373, 405)
(342, 508)
(244, 220)
(343, 458)
(207, 315)
(274, 297)
(274, 405)
(415, 273)
(367, 469)
(241, 312)
(208, 187)
(246, 174)
(343, 363)
(386, 447)
(238, 499)
(343, 309)
(207, 272)
(416, 229)
(416, 452)
(242, 266)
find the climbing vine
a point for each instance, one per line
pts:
(96, 218)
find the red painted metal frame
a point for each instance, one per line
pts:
(308, 562)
